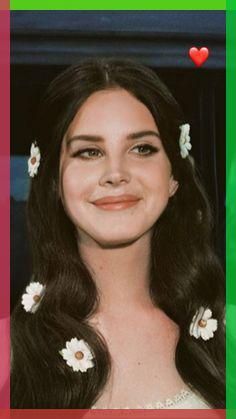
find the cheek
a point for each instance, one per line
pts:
(70, 186)
(76, 185)
(157, 179)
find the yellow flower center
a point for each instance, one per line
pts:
(33, 160)
(36, 298)
(79, 355)
(202, 323)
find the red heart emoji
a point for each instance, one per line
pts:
(198, 56)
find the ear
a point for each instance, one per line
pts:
(173, 186)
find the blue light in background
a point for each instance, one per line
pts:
(20, 180)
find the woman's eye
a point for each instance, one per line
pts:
(86, 153)
(146, 149)
(90, 153)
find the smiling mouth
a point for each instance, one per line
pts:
(117, 205)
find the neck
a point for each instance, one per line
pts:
(122, 275)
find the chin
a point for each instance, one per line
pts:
(117, 243)
(115, 240)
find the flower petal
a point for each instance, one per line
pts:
(27, 302)
(194, 329)
(32, 149)
(90, 363)
(67, 354)
(84, 365)
(206, 334)
(69, 347)
(212, 324)
(196, 332)
(207, 314)
(191, 327)
(84, 347)
(181, 140)
(184, 153)
(72, 364)
(74, 345)
(36, 287)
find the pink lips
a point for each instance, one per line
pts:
(116, 202)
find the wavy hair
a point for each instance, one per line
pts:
(185, 271)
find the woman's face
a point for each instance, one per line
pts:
(113, 148)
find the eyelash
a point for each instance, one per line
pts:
(151, 148)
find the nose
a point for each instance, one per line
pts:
(115, 174)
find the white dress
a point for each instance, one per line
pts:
(185, 399)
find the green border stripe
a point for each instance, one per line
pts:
(231, 209)
(118, 5)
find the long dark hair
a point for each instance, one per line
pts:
(185, 271)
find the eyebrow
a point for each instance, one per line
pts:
(98, 138)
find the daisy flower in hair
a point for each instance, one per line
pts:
(34, 160)
(77, 355)
(32, 298)
(203, 325)
(184, 140)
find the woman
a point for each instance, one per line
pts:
(126, 304)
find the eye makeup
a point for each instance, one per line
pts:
(81, 153)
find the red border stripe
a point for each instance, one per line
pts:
(118, 414)
(4, 206)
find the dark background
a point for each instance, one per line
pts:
(43, 43)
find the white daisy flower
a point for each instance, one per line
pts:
(34, 160)
(31, 299)
(202, 324)
(77, 355)
(184, 140)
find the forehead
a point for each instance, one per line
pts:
(113, 110)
